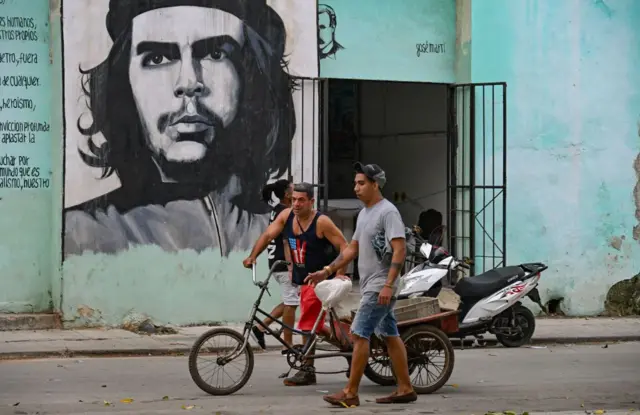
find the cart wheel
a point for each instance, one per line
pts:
(430, 356)
(378, 369)
(209, 349)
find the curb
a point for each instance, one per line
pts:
(558, 340)
(184, 351)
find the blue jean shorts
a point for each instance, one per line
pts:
(376, 318)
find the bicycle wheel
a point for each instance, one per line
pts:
(214, 357)
(424, 344)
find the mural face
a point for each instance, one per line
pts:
(188, 114)
(328, 46)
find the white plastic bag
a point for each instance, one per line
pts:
(332, 293)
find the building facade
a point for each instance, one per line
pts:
(136, 140)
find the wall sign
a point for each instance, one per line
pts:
(396, 40)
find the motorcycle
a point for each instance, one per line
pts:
(489, 302)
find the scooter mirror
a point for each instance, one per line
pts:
(425, 249)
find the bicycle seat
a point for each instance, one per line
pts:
(488, 282)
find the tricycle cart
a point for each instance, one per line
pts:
(430, 353)
(422, 336)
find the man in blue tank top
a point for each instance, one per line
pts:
(379, 242)
(310, 236)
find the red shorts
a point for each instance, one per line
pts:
(310, 307)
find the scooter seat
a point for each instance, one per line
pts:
(487, 283)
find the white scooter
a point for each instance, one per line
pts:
(489, 302)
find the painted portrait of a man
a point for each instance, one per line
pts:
(194, 107)
(328, 46)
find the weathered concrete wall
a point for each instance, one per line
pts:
(175, 120)
(26, 189)
(573, 74)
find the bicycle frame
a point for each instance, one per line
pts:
(312, 337)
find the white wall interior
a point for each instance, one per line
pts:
(403, 128)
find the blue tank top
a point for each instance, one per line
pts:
(308, 252)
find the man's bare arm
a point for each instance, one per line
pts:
(345, 257)
(275, 228)
(399, 247)
(330, 231)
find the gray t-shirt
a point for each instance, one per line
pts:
(376, 227)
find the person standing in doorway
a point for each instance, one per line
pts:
(380, 243)
(310, 236)
(283, 190)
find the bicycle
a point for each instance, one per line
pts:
(297, 354)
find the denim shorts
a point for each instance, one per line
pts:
(376, 318)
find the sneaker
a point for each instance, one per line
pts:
(302, 378)
(259, 337)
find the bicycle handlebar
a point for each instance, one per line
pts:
(274, 266)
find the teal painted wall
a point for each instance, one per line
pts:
(26, 216)
(573, 75)
(408, 40)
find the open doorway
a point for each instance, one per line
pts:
(400, 126)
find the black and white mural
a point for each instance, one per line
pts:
(177, 113)
(328, 46)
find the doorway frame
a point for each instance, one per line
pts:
(468, 128)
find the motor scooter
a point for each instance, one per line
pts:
(489, 302)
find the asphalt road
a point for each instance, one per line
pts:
(555, 378)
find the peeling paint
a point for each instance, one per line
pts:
(85, 311)
(616, 243)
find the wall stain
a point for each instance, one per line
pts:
(600, 4)
(616, 242)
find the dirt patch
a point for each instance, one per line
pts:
(623, 298)
(143, 324)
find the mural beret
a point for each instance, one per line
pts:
(255, 13)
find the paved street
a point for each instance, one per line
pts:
(60, 343)
(551, 378)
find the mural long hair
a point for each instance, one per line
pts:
(256, 146)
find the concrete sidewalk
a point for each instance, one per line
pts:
(17, 344)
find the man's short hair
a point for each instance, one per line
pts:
(304, 188)
(324, 8)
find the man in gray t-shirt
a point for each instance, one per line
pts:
(376, 227)
(380, 242)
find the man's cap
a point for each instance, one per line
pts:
(255, 13)
(372, 171)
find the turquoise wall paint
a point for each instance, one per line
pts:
(171, 288)
(573, 74)
(381, 39)
(25, 156)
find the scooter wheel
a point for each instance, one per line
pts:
(526, 321)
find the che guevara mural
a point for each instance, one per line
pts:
(177, 113)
